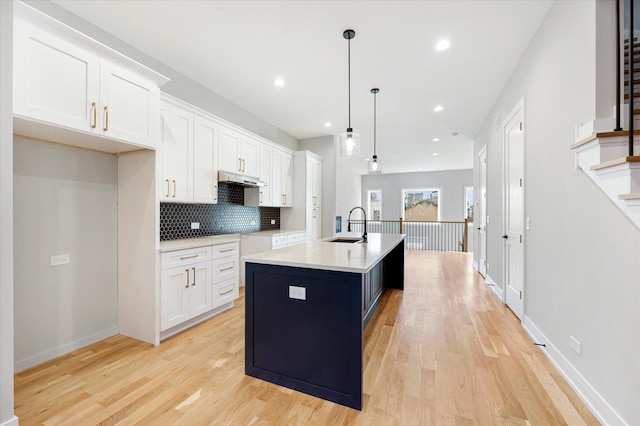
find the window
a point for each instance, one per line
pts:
(468, 203)
(421, 204)
(374, 204)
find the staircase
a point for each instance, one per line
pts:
(606, 157)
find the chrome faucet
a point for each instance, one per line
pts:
(364, 235)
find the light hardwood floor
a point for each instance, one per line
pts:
(444, 351)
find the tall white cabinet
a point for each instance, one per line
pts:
(306, 211)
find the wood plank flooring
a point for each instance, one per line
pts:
(444, 351)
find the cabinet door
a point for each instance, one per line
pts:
(177, 155)
(316, 183)
(287, 179)
(174, 297)
(264, 173)
(277, 195)
(128, 106)
(316, 223)
(225, 292)
(249, 153)
(54, 81)
(200, 289)
(228, 150)
(205, 175)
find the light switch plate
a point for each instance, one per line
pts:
(299, 293)
(195, 225)
(273, 221)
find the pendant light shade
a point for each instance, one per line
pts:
(374, 165)
(349, 140)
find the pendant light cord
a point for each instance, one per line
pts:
(349, 67)
(374, 123)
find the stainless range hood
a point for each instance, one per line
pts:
(238, 179)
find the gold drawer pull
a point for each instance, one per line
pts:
(226, 269)
(95, 119)
(226, 250)
(187, 271)
(189, 257)
(226, 292)
(194, 276)
(106, 118)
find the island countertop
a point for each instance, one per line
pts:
(330, 256)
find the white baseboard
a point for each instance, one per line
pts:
(196, 320)
(33, 360)
(496, 289)
(598, 405)
(11, 422)
(475, 265)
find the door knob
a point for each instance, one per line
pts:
(478, 228)
(505, 236)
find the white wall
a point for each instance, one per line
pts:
(581, 252)
(180, 86)
(65, 203)
(6, 215)
(324, 147)
(451, 184)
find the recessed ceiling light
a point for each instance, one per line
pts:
(278, 82)
(435, 153)
(443, 44)
(438, 108)
(419, 168)
(436, 139)
(327, 124)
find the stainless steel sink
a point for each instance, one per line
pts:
(348, 240)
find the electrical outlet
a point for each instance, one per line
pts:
(273, 221)
(488, 267)
(487, 218)
(195, 225)
(61, 259)
(527, 223)
(575, 345)
(253, 222)
(299, 293)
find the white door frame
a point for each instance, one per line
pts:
(482, 212)
(518, 309)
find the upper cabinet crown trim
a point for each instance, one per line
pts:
(36, 18)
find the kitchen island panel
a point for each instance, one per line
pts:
(312, 345)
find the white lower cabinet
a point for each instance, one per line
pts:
(197, 281)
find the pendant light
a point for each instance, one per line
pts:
(374, 164)
(350, 140)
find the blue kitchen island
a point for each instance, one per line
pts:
(306, 309)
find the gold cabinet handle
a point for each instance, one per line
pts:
(226, 269)
(260, 197)
(106, 118)
(174, 189)
(243, 164)
(239, 164)
(194, 276)
(191, 256)
(226, 250)
(226, 292)
(94, 112)
(167, 188)
(187, 271)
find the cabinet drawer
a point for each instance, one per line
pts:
(225, 291)
(279, 241)
(224, 250)
(298, 238)
(225, 268)
(173, 259)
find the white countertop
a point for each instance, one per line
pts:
(275, 232)
(188, 243)
(343, 257)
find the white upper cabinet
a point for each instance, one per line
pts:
(205, 174)
(314, 182)
(187, 162)
(54, 81)
(229, 150)
(176, 183)
(281, 179)
(264, 173)
(287, 179)
(66, 80)
(249, 153)
(128, 106)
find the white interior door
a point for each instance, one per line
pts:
(482, 210)
(514, 210)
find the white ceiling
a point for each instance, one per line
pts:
(238, 48)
